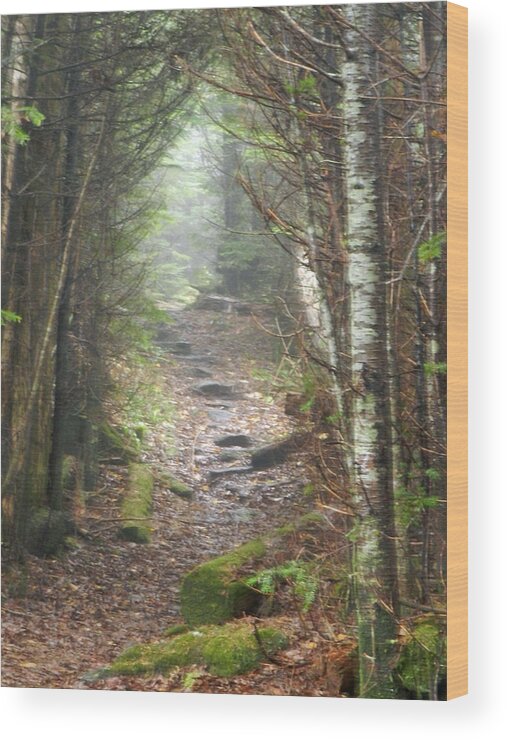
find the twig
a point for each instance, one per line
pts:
(422, 608)
(263, 649)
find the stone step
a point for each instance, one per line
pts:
(235, 440)
(221, 472)
(199, 372)
(214, 389)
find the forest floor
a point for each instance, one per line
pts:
(75, 613)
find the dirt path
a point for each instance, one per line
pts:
(78, 611)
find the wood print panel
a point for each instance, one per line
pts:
(457, 512)
(234, 350)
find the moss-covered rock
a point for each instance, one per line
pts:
(176, 629)
(212, 594)
(137, 505)
(224, 651)
(47, 530)
(422, 664)
(176, 486)
(216, 591)
(115, 444)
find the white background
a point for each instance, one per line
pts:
(41, 714)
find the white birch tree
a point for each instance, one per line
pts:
(373, 534)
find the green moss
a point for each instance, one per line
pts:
(224, 651)
(238, 651)
(176, 629)
(190, 678)
(212, 594)
(137, 505)
(140, 431)
(115, 443)
(176, 486)
(422, 661)
(135, 661)
(47, 530)
(71, 543)
(216, 591)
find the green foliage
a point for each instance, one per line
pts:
(171, 279)
(411, 504)
(8, 317)
(308, 490)
(307, 85)
(333, 419)
(431, 249)
(217, 590)
(354, 532)
(435, 368)
(309, 392)
(288, 378)
(422, 659)
(12, 121)
(300, 576)
(278, 230)
(190, 678)
(432, 474)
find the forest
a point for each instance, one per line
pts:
(224, 350)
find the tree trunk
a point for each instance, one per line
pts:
(376, 597)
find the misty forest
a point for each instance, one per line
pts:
(224, 350)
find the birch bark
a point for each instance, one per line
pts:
(375, 573)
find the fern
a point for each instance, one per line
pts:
(298, 575)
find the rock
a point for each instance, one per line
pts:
(137, 505)
(231, 487)
(114, 445)
(166, 333)
(180, 348)
(242, 515)
(235, 440)
(95, 675)
(216, 591)
(220, 472)
(176, 486)
(276, 452)
(222, 404)
(221, 303)
(213, 389)
(219, 416)
(227, 650)
(47, 530)
(207, 359)
(212, 592)
(199, 372)
(231, 455)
